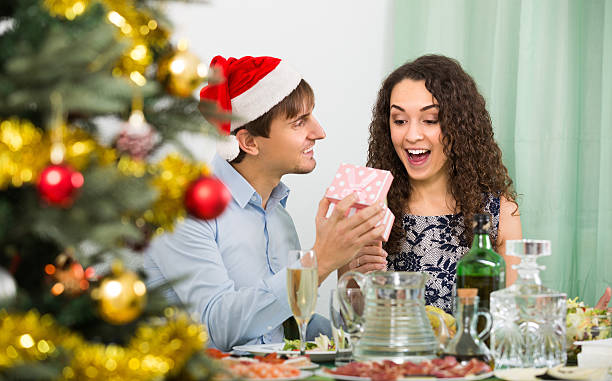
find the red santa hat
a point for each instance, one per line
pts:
(250, 87)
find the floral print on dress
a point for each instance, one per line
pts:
(434, 245)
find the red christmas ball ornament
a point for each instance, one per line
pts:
(207, 197)
(57, 184)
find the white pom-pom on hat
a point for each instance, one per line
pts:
(228, 147)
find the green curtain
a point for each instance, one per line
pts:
(545, 68)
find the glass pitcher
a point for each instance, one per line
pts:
(394, 325)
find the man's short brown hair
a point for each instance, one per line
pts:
(291, 106)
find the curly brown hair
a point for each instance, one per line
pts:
(475, 166)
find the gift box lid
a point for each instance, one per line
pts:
(370, 184)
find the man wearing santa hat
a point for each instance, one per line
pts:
(233, 268)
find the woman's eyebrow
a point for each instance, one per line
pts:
(430, 106)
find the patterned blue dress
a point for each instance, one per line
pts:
(434, 244)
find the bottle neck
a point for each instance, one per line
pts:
(465, 315)
(529, 276)
(481, 240)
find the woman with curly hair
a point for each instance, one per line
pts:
(431, 129)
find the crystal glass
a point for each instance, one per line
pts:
(346, 331)
(528, 318)
(302, 284)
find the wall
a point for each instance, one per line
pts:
(342, 48)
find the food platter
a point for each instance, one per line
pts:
(303, 374)
(264, 349)
(447, 368)
(325, 373)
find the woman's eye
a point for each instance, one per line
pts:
(431, 121)
(399, 122)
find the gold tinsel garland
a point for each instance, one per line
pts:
(142, 31)
(68, 9)
(24, 153)
(136, 25)
(171, 177)
(158, 348)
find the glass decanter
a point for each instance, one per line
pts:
(467, 342)
(528, 319)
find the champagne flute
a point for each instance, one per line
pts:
(302, 284)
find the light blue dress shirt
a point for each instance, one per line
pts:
(233, 267)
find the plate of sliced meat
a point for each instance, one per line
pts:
(447, 368)
(251, 369)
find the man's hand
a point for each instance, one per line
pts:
(340, 237)
(604, 300)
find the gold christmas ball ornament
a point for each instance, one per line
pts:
(121, 297)
(181, 72)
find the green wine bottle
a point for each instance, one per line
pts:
(481, 267)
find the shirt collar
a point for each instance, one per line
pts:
(240, 188)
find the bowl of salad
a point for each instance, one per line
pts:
(585, 323)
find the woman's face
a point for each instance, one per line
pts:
(415, 131)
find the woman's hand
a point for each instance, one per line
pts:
(371, 257)
(605, 300)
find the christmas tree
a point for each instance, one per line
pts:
(78, 207)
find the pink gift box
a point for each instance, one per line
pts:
(387, 220)
(370, 184)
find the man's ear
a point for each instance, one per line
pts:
(247, 142)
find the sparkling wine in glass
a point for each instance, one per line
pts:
(302, 284)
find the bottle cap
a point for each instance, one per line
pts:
(467, 292)
(481, 223)
(467, 296)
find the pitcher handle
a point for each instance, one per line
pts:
(485, 332)
(444, 335)
(345, 304)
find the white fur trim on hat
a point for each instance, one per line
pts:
(265, 94)
(228, 147)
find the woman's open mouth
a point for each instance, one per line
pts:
(417, 156)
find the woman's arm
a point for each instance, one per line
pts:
(509, 228)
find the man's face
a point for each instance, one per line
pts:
(290, 145)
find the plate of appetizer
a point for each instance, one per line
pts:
(320, 350)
